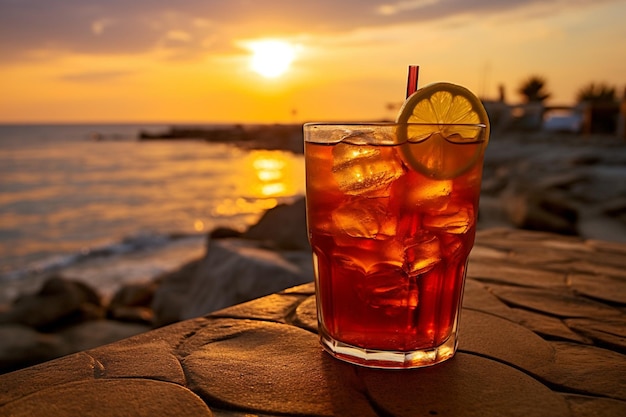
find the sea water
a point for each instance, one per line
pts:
(94, 201)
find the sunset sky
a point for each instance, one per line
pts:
(192, 60)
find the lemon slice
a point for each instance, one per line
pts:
(452, 134)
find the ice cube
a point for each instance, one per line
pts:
(365, 218)
(365, 170)
(455, 219)
(364, 255)
(370, 136)
(386, 285)
(429, 194)
(453, 246)
(422, 253)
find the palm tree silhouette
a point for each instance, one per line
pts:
(533, 90)
(597, 93)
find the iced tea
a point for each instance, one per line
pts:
(390, 241)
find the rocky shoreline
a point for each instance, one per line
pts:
(568, 184)
(286, 137)
(563, 183)
(66, 315)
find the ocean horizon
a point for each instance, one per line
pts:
(73, 192)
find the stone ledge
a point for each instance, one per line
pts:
(530, 345)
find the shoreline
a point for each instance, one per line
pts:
(287, 137)
(565, 183)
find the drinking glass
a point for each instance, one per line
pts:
(391, 217)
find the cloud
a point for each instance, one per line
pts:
(388, 9)
(95, 76)
(196, 27)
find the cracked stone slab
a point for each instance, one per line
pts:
(541, 333)
(254, 370)
(493, 337)
(608, 332)
(151, 360)
(586, 370)
(548, 327)
(556, 303)
(303, 289)
(478, 297)
(586, 406)
(508, 273)
(519, 240)
(600, 287)
(121, 397)
(482, 253)
(466, 385)
(595, 268)
(274, 307)
(540, 256)
(306, 314)
(74, 367)
(607, 258)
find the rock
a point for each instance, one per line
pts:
(271, 255)
(136, 294)
(132, 303)
(224, 232)
(568, 184)
(96, 333)
(132, 314)
(22, 346)
(283, 227)
(594, 226)
(171, 294)
(539, 209)
(58, 302)
(238, 270)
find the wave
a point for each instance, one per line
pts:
(138, 243)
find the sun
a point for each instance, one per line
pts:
(271, 58)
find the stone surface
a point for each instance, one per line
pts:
(599, 287)
(586, 369)
(119, 361)
(548, 327)
(306, 316)
(542, 345)
(129, 397)
(274, 307)
(585, 406)
(476, 336)
(556, 303)
(460, 387)
(478, 297)
(240, 375)
(606, 332)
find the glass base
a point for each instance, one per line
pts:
(373, 358)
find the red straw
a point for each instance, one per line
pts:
(411, 84)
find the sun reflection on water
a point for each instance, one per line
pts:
(264, 178)
(268, 168)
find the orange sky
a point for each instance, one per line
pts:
(190, 61)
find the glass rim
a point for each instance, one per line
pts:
(393, 133)
(389, 124)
